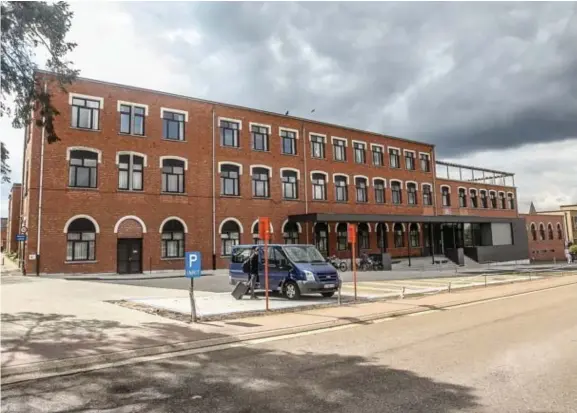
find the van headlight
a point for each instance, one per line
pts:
(309, 276)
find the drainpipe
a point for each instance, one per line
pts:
(213, 193)
(39, 225)
(306, 178)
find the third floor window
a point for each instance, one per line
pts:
(410, 161)
(229, 133)
(85, 113)
(317, 146)
(288, 142)
(339, 150)
(132, 119)
(359, 152)
(377, 156)
(173, 175)
(394, 158)
(425, 162)
(83, 169)
(173, 125)
(260, 136)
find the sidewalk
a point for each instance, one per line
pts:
(8, 266)
(61, 325)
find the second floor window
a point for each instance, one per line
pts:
(83, 169)
(474, 199)
(379, 185)
(462, 198)
(361, 186)
(427, 198)
(85, 113)
(377, 156)
(445, 196)
(132, 119)
(410, 161)
(172, 125)
(359, 152)
(339, 150)
(484, 199)
(260, 183)
(396, 191)
(288, 142)
(229, 133)
(319, 187)
(512, 201)
(412, 194)
(502, 200)
(493, 197)
(394, 158)
(229, 180)
(425, 162)
(317, 146)
(259, 137)
(290, 185)
(130, 169)
(341, 192)
(173, 176)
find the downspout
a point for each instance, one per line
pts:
(306, 179)
(434, 171)
(39, 225)
(213, 194)
(27, 142)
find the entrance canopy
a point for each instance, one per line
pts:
(442, 219)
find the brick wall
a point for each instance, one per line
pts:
(13, 218)
(545, 245)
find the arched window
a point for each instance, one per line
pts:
(361, 186)
(341, 188)
(172, 239)
(382, 235)
(462, 198)
(229, 237)
(80, 237)
(502, 203)
(290, 186)
(379, 185)
(363, 236)
(322, 237)
(559, 232)
(342, 237)
(427, 198)
(319, 183)
(484, 202)
(230, 180)
(446, 196)
(397, 192)
(83, 169)
(541, 232)
(474, 199)
(291, 233)
(511, 201)
(550, 231)
(173, 175)
(414, 235)
(412, 193)
(533, 232)
(399, 232)
(493, 197)
(260, 183)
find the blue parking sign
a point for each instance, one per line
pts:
(192, 264)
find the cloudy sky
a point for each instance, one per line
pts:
(491, 84)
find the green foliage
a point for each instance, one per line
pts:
(5, 169)
(573, 249)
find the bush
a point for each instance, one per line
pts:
(573, 249)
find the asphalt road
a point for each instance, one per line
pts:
(509, 355)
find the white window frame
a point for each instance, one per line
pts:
(444, 186)
(88, 217)
(179, 158)
(221, 118)
(225, 220)
(379, 178)
(182, 112)
(262, 166)
(83, 148)
(170, 219)
(341, 175)
(290, 170)
(368, 181)
(295, 131)
(337, 138)
(132, 104)
(72, 95)
(220, 164)
(317, 134)
(411, 182)
(132, 153)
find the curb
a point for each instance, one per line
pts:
(35, 371)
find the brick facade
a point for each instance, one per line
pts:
(546, 237)
(13, 228)
(201, 213)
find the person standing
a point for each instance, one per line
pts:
(253, 274)
(568, 255)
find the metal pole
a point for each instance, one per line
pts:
(192, 302)
(409, 242)
(432, 246)
(354, 268)
(266, 267)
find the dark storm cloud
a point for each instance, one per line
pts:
(465, 76)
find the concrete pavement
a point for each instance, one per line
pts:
(513, 354)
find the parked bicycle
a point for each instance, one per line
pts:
(366, 263)
(336, 262)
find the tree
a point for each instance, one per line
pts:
(5, 172)
(27, 26)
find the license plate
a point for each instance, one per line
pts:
(329, 286)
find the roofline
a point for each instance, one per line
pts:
(334, 217)
(233, 106)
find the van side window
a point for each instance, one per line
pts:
(274, 256)
(239, 255)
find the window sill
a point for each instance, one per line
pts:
(341, 202)
(264, 198)
(172, 259)
(320, 200)
(79, 188)
(173, 140)
(289, 154)
(261, 150)
(291, 199)
(80, 262)
(174, 193)
(238, 148)
(229, 196)
(86, 129)
(131, 134)
(340, 160)
(318, 159)
(130, 191)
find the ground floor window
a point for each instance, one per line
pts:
(414, 235)
(81, 238)
(399, 235)
(291, 233)
(229, 237)
(322, 238)
(342, 237)
(363, 236)
(173, 239)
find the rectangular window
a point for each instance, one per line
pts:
(377, 156)
(412, 194)
(229, 133)
(260, 136)
(288, 142)
(511, 201)
(260, 183)
(359, 149)
(425, 162)
(341, 193)
(83, 169)
(474, 201)
(396, 193)
(363, 240)
(394, 158)
(445, 196)
(462, 198)
(132, 119)
(379, 191)
(172, 244)
(173, 176)
(85, 113)
(502, 200)
(317, 146)
(361, 186)
(484, 199)
(339, 150)
(290, 185)
(173, 125)
(319, 187)
(427, 199)
(229, 180)
(493, 199)
(410, 161)
(130, 169)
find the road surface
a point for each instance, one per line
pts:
(508, 355)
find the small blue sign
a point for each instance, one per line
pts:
(20, 237)
(192, 264)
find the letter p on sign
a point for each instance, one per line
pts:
(193, 264)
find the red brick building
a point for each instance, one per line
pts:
(14, 203)
(546, 237)
(140, 176)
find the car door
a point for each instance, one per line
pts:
(276, 273)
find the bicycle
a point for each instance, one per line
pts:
(336, 262)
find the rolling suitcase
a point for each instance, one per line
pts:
(240, 290)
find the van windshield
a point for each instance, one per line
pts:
(303, 254)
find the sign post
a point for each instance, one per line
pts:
(264, 234)
(192, 270)
(352, 235)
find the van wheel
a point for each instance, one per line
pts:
(291, 290)
(328, 294)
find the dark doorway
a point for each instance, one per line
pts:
(129, 256)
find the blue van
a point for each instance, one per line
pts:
(294, 269)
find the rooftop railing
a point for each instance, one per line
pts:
(465, 173)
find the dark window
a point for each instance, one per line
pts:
(462, 198)
(533, 232)
(85, 113)
(81, 237)
(339, 150)
(229, 237)
(317, 146)
(342, 237)
(394, 158)
(379, 185)
(229, 133)
(541, 232)
(550, 231)
(173, 175)
(259, 137)
(474, 199)
(255, 235)
(502, 200)
(130, 170)
(425, 162)
(322, 237)
(362, 192)
(399, 233)
(445, 196)
(290, 185)
(412, 193)
(172, 125)
(484, 202)
(382, 235)
(230, 180)
(363, 236)
(410, 161)
(319, 187)
(132, 119)
(359, 152)
(377, 156)
(427, 198)
(291, 233)
(397, 192)
(173, 239)
(288, 141)
(511, 201)
(493, 197)
(414, 238)
(83, 169)
(559, 232)
(260, 183)
(341, 189)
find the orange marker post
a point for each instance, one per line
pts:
(352, 235)
(264, 234)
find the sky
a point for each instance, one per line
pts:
(490, 84)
